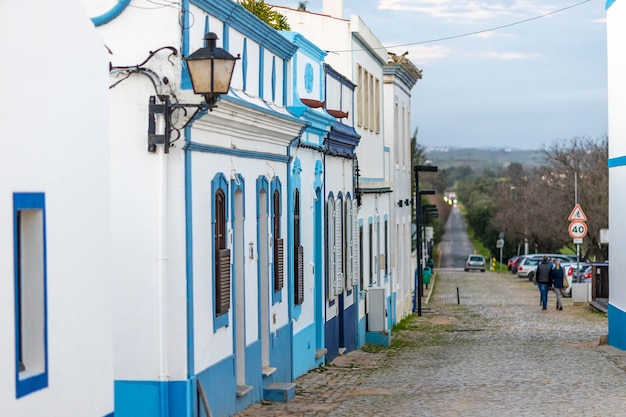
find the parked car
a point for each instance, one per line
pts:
(576, 270)
(528, 266)
(512, 260)
(515, 263)
(475, 262)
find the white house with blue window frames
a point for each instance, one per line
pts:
(55, 249)
(203, 274)
(616, 32)
(382, 224)
(306, 205)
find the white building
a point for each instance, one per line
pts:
(400, 75)
(202, 230)
(357, 53)
(55, 245)
(616, 32)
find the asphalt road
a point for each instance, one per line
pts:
(455, 245)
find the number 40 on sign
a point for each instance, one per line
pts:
(578, 229)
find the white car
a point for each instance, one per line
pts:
(475, 262)
(572, 274)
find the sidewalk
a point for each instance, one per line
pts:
(481, 348)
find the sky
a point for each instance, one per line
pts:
(538, 77)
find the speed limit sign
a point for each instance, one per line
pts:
(578, 229)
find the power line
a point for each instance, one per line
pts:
(473, 33)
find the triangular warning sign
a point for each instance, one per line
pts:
(577, 214)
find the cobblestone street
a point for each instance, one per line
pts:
(495, 353)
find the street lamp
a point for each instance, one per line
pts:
(211, 71)
(419, 279)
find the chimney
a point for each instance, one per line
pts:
(333, 8)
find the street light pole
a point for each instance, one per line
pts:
(417, 294)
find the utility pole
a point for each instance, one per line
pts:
(419, 279)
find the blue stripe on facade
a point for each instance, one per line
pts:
(609, 3)
(617, 162)
(110, 415)
(142, 398)
(198, 147)
(111, 14)
(617, 330)
(189, 260)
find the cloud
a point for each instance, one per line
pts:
(470, 11)
(508, 55)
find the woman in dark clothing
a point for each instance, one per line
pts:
(557, 277)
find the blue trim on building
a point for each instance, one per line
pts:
(218, 182)
(244, 64)
(294, 182)
(617, 161)
(304, 351)
(273, 79)
(110, 415)
(185, 78)
(609, 3)
(143, 398)
(22, 202)
(275, 185)
(331, 335)
(115, 11)
(189, 257)
(261, 72)
(349, 328)
(318, 256)
(240, 19)
(281, 354)
(199, 147)
(617, 329)
(262, 184)
(285, 69)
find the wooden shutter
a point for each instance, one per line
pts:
(355, 243)
(338, 250)
(278, 265)
(330, 253)
(222, 282)
(299, 281)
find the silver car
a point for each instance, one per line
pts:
(475, 262)
(528, 266)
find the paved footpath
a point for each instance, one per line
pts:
(496, 353)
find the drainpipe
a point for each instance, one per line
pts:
(162, 282)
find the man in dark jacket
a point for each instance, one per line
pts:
(542, 276)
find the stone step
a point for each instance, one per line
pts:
(279, 392)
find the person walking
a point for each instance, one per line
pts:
(542, 276)
(557, 276)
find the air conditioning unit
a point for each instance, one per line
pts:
(377, 309)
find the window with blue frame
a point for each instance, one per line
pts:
(277, 242)
(29, 248)
(221, 253)
(298, 262)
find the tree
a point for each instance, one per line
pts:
(266, 13)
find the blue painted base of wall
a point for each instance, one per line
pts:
(304, 351)
(362, 332)
(151, 398)
(378, 338)
(393, 315)
(349, 328)
(331, 336)
(617, 327)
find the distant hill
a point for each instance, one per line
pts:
(480, 159)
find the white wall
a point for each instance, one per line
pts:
(616, 33)
(56, 132)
